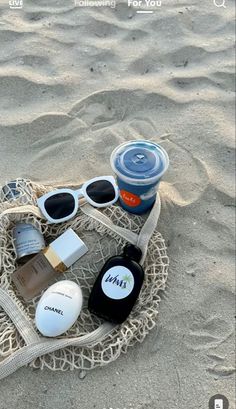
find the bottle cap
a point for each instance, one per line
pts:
(69, 247)
(132, 252)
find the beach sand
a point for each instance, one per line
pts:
(76, 82)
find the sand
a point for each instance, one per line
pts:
(76, 82)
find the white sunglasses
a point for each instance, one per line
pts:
(62, 204)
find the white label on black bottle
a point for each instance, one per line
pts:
(117, 282)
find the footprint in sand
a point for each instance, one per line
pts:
(220, 370)
(99, 110)
(218, 367)
(107, 108)
(181, 187)
(208, 333)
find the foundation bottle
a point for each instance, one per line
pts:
(54, 260)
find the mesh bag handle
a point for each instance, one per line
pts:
(142, 239)
(36, 345)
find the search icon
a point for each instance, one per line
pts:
(219, 4)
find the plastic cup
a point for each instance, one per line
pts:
(139, 166)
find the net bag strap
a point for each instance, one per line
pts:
(22, 210)
(102, 218)
(149, 227)
(18, 317)
(145, 234)
(28, 353)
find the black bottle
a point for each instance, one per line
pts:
(117, 286)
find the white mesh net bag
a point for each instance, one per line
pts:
(90, 342)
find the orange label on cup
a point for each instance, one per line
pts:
(130, 199)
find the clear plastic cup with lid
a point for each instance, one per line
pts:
(139, 166)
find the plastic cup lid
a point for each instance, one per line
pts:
(141, 162)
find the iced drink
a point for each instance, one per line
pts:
(139, 166)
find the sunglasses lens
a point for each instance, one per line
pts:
(59, 205)
(101, 191)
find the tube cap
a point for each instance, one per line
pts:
(69, 247)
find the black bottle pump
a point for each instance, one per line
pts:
(117, 286)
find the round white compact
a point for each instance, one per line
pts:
(58, 308)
